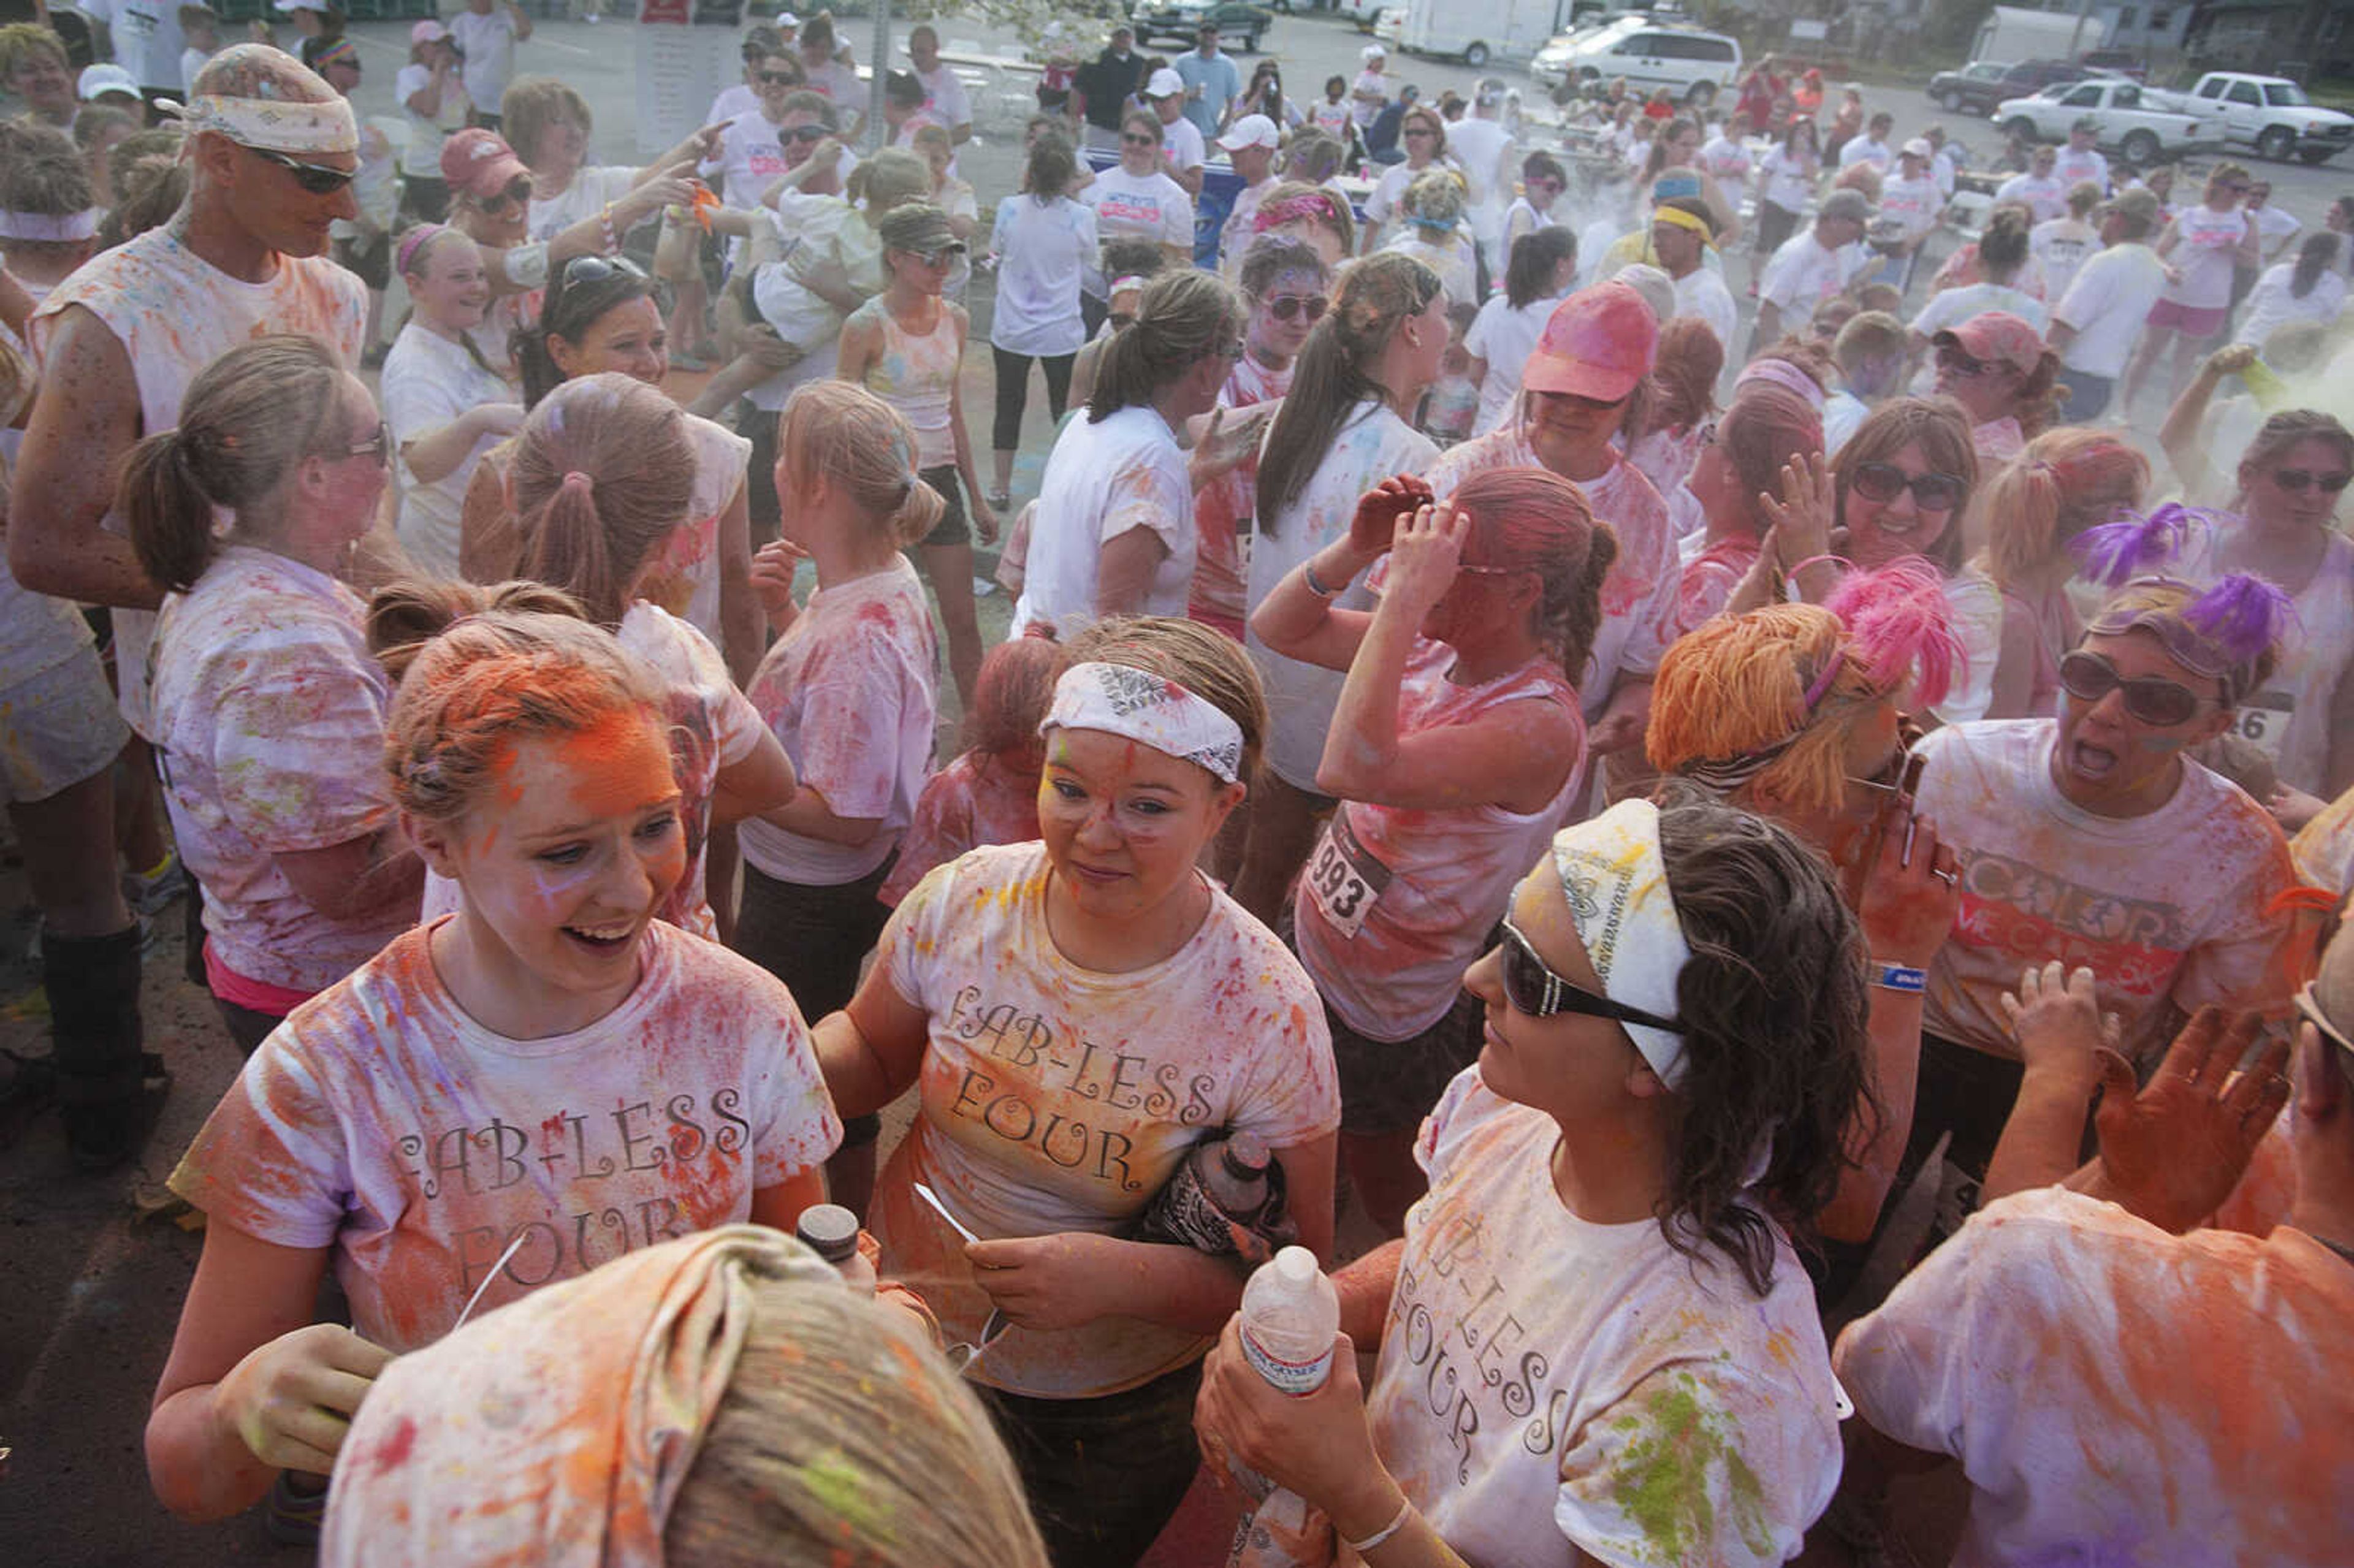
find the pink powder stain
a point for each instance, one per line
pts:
(394, 1451)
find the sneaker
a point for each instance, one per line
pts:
(150, 892)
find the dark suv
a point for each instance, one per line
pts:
(1977, 87)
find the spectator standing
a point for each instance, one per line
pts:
(1045, 243)
(945, 98)
(1811, 267)
(2079, 160)
(1212, 82)
(486, 33)
(2062, 245)
(433, 94)
(1370, 91)
(2044, 192)
(1872, 147)
(1183, 149)
(1100, 92)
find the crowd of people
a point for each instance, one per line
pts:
(1617, 755)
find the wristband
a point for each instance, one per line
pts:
(1897, 976)
(1405, 1512)
(1315, 586)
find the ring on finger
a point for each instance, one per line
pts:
(1947, 877)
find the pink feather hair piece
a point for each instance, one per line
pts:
(1899, 622)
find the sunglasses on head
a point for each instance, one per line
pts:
(1884, 482)
(2299, 480)
(1532, 988)
(316, 178)
(2153, 699)
(1286, 307)
(809, 134)
(597, 269)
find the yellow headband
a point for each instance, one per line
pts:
(1683, 219)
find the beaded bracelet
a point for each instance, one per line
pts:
(1405, 1512)
(606, 232)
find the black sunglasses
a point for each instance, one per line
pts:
(2299, 480)
(1885, 482)
(812, 133)
(516, 195)
(1533, 989)
(1130, 139)
(2153, 699)
(316, 178)
(1284, 307)
(597, 269)
(774, 78)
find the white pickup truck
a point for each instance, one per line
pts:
(2272, 114)
(2138, 121)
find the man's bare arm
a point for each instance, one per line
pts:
(86, 418)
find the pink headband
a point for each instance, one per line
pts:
(1315, 208)
(415, 240)
(1783, 374)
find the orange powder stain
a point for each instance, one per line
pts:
(618, 766)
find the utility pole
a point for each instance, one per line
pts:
(878, 67)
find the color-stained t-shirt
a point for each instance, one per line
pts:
(1058, 1098)
(1225, 509)
(1548, 1386)
(2119, 1395)
(974, 801)
(382, 1120)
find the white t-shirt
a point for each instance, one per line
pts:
(2271, 305)
(2206, 241)
(1102, 480)
(591, 190)
(1785, 181)
(1951, 307)
(1549, 1386)
(2060, 246)
(1864, 150)
(1057, 1099)
(1842, 412)
(1803, 274)
(2108, 303)
(839, 82)
(1701, 294)
(175, 313)
(852, 690)
(1044, 251)
(1916, 203)
(1371, 444)
(1449, 254)
(944, 96)
(2072, 165)
(428, 382)
(1504, 335)
(148, 41)
(1181, 146)
(487, 40)
(2116, 1393)
(2274, 225)
(2174, 907)
(383, 1121)
(1395, 904)
(2046, 197)
(1367, 110)
(1334, 118)
(421, 157)
(751, 160)
(1390, 188)
(1726, 161)
(1144, 207)
(732, 102)
(270, 739)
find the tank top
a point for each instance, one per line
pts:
(917, 375)
(2288, 720)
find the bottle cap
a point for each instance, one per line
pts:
(1295, 1266)
(1246, 1154)
(829, 1230)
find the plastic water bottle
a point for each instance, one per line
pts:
(1236, 1177)
(832, 1232)
(1291, 1315)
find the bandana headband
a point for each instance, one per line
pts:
(272, 125)
(1683, 219)
(1314, 208)
(1149, 710)
(1782, 373)
(49, 228)
(1616, 882)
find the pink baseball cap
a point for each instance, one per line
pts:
(1598, 344)
(428, 31)
(480, 162)
(1996, 337)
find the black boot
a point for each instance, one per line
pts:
(106, 1084)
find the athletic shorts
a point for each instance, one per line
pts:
(954, 527)
(2197, 323)
(58, 728)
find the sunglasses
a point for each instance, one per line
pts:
(517, 195)
(809, 134)
(1422, 131)
(2297, 480)
(1884, 482)
(2153, 699)
(1130, 139)
(316, 178)
(378, 446)
(1589, 405)
(1532, 988)
(941, 255)
(1961, 365)
(773, 78)
(1285, 307)
(597, 269)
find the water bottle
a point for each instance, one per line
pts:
(1290, 1316)
(831, 1230)
(1234, 1171)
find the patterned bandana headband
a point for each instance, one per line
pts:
(273, 125)
(49, 228)
(1679, 218)
(1616, 881)
(1139, 706)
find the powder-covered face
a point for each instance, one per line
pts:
(2307, 504)
(2108, 762)
(1122, 823)
(568, 853)
(1285, 338)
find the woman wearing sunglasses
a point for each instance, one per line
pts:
(2093, 839)
(1596, 1341)
(1454, 752)
(1422, 133)
(1284, 282)
(1137, 199)
(1996, 366)
(271, 713)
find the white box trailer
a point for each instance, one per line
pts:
(2014, 35)
(1477, 31)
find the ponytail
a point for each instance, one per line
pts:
(844, 432)
(405, 615)
(1335, 371)
(2061, 482)
(1575, 620)
(1183, 318)
(603, 473)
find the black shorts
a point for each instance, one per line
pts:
(954, 527)
(813, 938)
(369, 261)
(1389, 1086)
(425, 198)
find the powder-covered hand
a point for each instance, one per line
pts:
(292, 1401)
(1055, 1281)
(2173, 1149)
(2055, 1017)
(1379, 509)
(1425, 556)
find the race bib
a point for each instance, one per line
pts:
(2262, 721)
(1344, 881)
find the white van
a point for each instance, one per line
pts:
(1690, 62)
(1477, 31)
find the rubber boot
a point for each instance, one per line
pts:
(105, 1083)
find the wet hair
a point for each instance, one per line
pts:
(2002, 249)
(602, 474)
(1335, 214)
(1770, 938)
(1942, 427)
(1684, 368)
(1312, 157)
(41, 172)
(1185, 317)
(902, 89)
(2313, 258)
(874, 1452)
(1012, 694)
(1334, 371)
(21, 41)
(1767, 427)
(1132, 257)
(1533, 519)
(479, 670)
(864, 446)
(1050, 168)
(1870, 350)
(570, 307)
(249, 417)
(1269, 257)
(533, 103)
(2277, 434)
(1206, 662)
(1537, 257)
(2061, 484)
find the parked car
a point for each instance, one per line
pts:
(1978, 87)
(1239, 24)
(2143, 126)
(1690, 62)
(2273, 115)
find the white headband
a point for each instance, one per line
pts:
(273, 125)
(1617, 884)
(50, 227)
(1149, 709)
